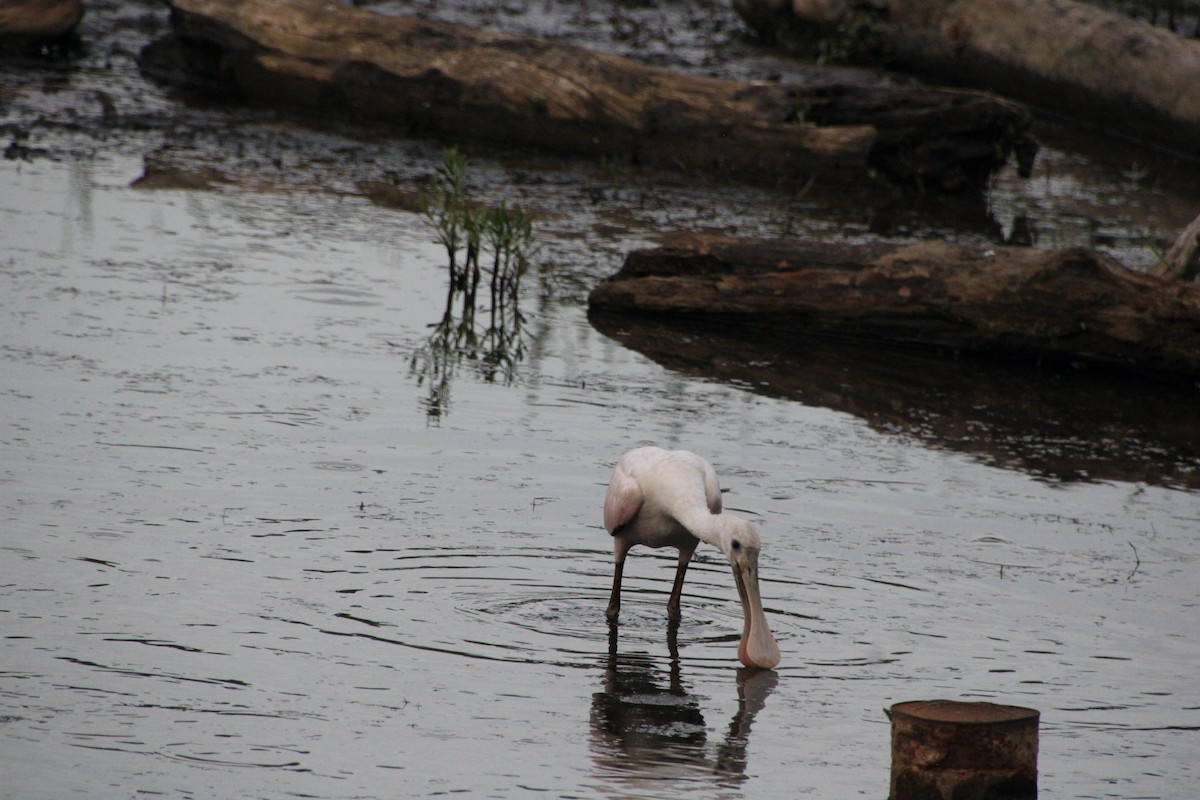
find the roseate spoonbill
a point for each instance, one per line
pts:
(670, 498)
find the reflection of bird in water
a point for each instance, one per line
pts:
(643, 730)
(663, 498)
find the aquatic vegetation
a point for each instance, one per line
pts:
(462, 226)
(858, 40)
(497, 241)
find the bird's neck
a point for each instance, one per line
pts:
(707, 527)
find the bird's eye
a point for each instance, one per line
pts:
(737, 545)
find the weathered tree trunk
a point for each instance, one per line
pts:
(1062, 305)
(1067, 56)
(943, 750)
(1182, 261)
(438, 79)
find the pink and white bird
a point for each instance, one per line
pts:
(670, 498)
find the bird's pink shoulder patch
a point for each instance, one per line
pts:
(623, 500)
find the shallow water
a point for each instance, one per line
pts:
(260, 539)
(242, 559)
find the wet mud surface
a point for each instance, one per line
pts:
(254, 547)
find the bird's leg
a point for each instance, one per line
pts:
(614, 602)
(685, 557)
(673, 647)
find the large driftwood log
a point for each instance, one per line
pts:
(27, 22)
(456, 83)
(1061, 305)
(1066, 56)
(1043, 422)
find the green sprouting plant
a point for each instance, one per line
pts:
(445, 205)
(801, 106)
(461, 226)
(858, 40)
(509, 235)
(498, 241)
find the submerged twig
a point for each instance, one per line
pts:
(1137, 562)
(152, 446)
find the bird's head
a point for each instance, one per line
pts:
(740, 543)
(741, 546)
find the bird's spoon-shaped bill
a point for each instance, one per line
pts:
(758, 647)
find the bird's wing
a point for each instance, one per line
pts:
(712, 489)
(623, 499)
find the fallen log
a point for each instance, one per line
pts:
(26, 23)
(428, 78)
(1069, 57)
(1063, 305)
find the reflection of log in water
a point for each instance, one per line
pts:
(1062, 424)
(646, 727)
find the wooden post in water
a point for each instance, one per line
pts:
(948, 750)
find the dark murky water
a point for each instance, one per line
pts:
(249, 551)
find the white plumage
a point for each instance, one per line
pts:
(671, 498)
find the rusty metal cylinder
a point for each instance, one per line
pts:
(950, 750)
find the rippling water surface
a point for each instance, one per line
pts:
(244, 555)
